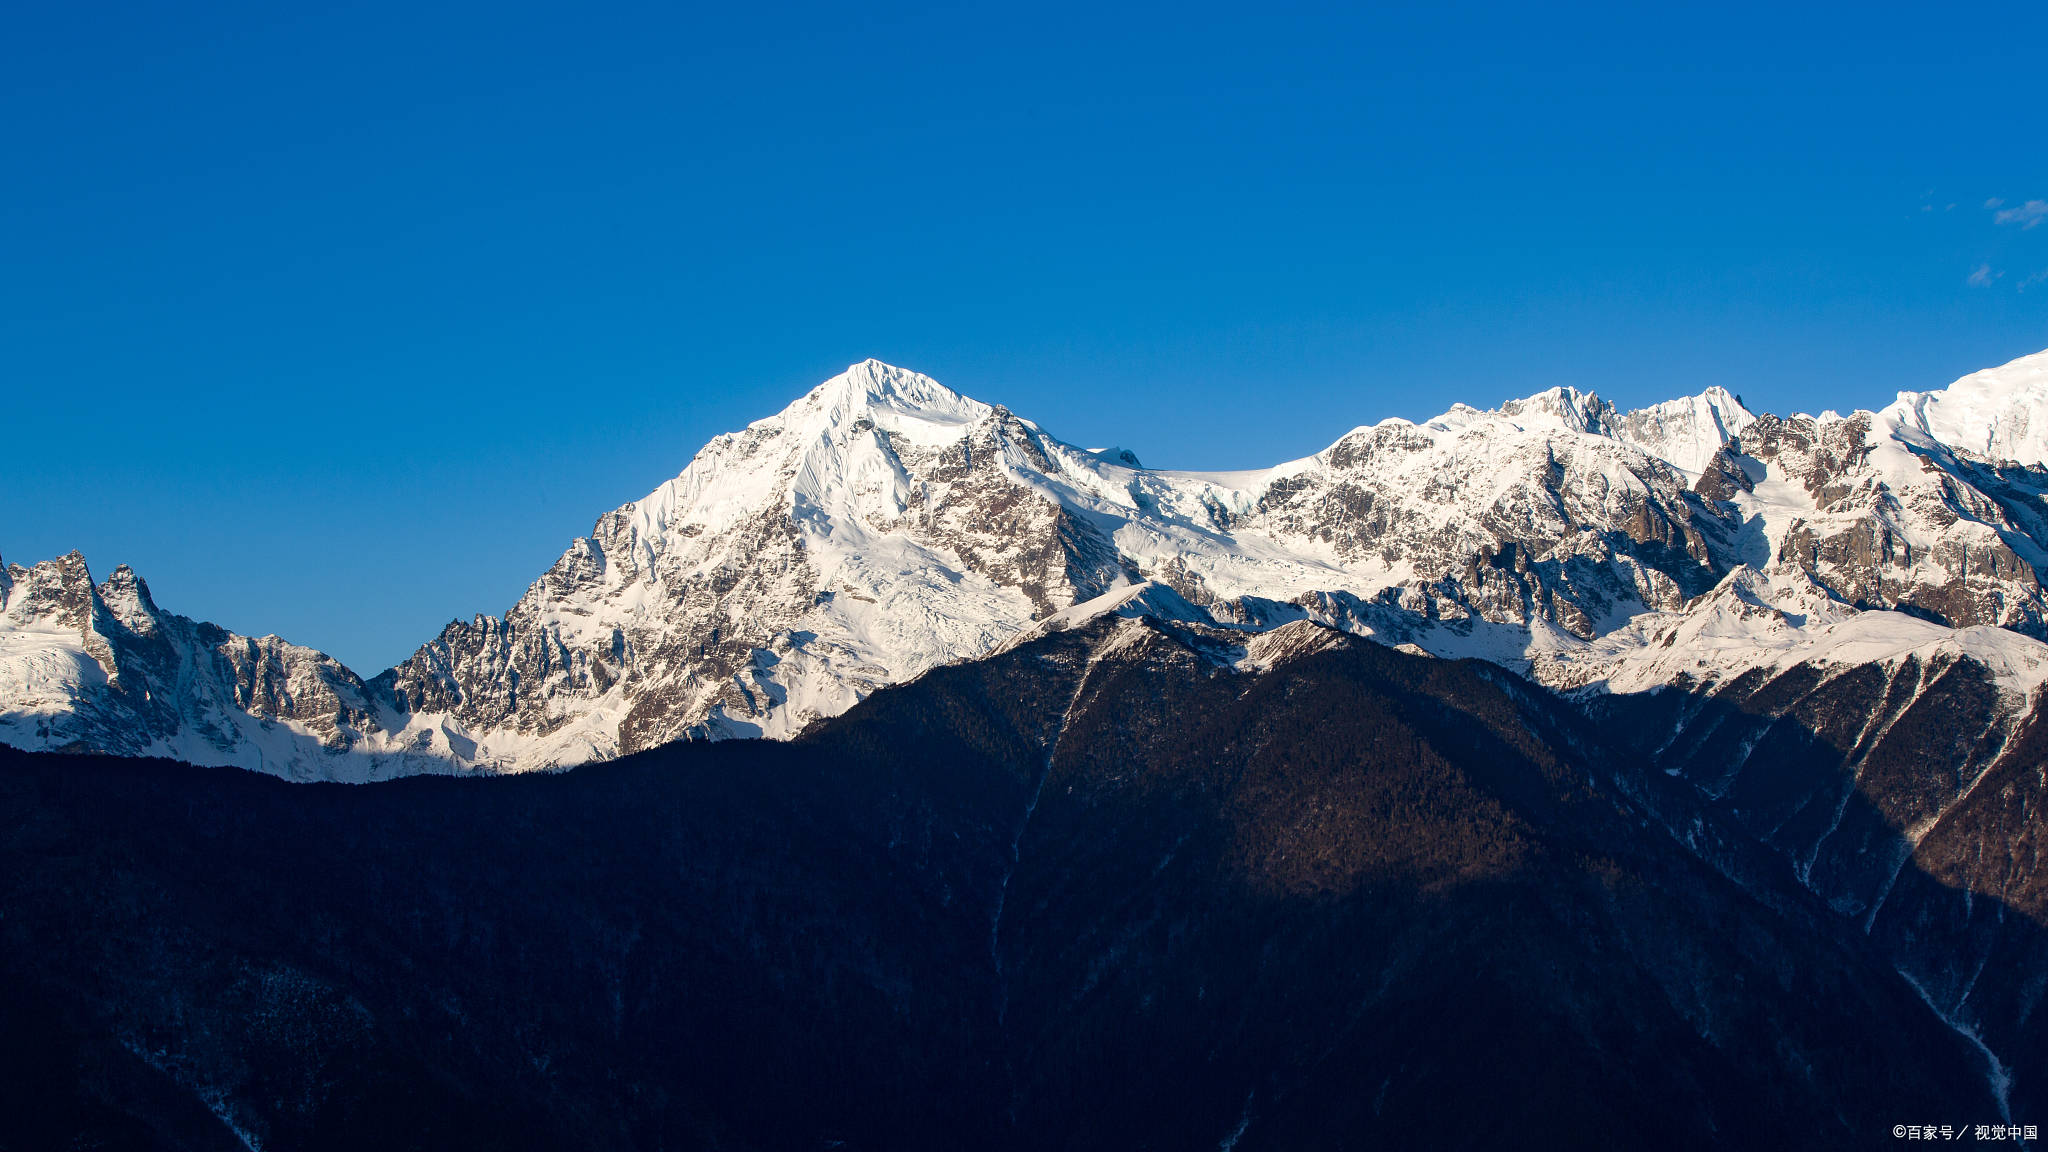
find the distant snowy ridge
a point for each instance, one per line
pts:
(883, 524)
(100, 667)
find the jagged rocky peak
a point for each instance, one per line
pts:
(101, 668)
(60, 594)
(1568, 407)
(51, 594)
(126, 595)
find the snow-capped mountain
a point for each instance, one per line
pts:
(883, 524)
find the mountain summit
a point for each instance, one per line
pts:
(2000, 413)
(883, 524)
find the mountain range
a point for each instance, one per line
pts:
(883, 525)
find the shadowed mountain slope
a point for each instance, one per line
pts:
(1122, 887)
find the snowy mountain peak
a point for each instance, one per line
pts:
(126, 595)
(895, 399)
(1999, 413)
(1559, 408)
(1564, 407)
(1685, 432)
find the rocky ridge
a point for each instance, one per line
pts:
(100, 667)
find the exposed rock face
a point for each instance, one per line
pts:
(1884, 521)
(884, 525)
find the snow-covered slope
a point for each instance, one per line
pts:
(1997, 414)
(1755, 621)
(1687, 432)
(883, 524)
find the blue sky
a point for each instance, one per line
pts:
(339, 324)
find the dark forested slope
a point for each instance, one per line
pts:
(1102, 891)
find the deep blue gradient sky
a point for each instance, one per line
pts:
(339, 324)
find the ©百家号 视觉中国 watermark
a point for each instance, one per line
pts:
(2016, 1132)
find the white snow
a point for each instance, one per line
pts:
(1685, 433)
(1778, 620)
(1999, 413)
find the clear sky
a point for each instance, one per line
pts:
(338, 321)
